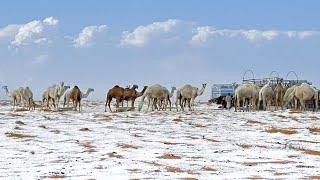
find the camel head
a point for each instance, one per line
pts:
(173, 88)
(90, 89)
(134, 86)
(204, 85)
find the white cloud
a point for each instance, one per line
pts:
(9, 31)
(85, 38)
(42, 41)
(142, 35)
(50, 21)
(40, 59)
(27, 32)
(203, 33)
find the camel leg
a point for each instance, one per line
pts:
(169, 104)
(181, 104)
(149, 101)
(105, 106)
(152, 100)
(54, 104)
(132, 104)
(29, 104)
(118, 103)
(189, 104)
(178, 100)
(110, 99)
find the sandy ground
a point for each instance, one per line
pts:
(203, 144)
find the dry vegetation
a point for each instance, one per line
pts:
(169, 156)
(282, 131)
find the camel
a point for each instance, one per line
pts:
(279, 92)
(54, 93)
(120, 94)
(131, 94)
(288, 97)
(266, 95)
(15, 95)
(75, 96)
(153, 93)
(67, 96)
(304, 93)
(248, 93)
(27, 96)
(115, 92)
(188, 94)
(163, 101)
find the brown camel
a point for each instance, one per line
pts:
(128, 92)
(131, 94)
(116, 92)
(76, 97)
(120, 94)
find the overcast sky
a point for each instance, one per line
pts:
(99, 44)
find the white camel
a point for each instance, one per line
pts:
(266, 95)
(188, 94)
(248, 93)
(288, 98)
(15, 95)
(27, 96)
(54, 93)
(163, 101)
(67, 96)
(304, 93)
(153, 93)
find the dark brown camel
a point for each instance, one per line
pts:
(75, 97)
(128, 92)
(131, 94)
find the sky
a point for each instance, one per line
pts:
(99, 44)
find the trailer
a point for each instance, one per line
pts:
(219, 90)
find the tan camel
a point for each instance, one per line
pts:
(304, 93)
(266, 95)
(153, 93)
(15, 95)
(76, 97)
(188, 94)
(279, 92)
(288, 98)
(248, 93)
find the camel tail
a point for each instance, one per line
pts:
(141, 102)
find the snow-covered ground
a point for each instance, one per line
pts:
(204, 144)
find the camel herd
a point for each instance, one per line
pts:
(158, 96)
(247, 95)
(24, 96)
(283, 95)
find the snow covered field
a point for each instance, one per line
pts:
(203, 144)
